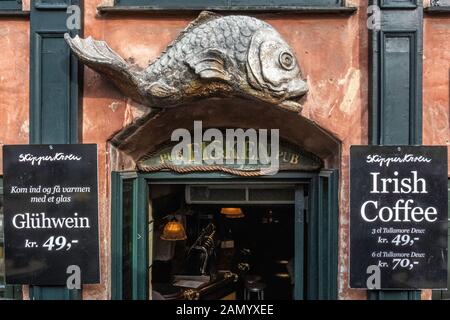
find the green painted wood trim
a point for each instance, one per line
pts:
(394, 295)
(299, 246)
(334, 240)
(136, 275)
(53, 5)
(140, 241)
(247, 9)
(14, 13)
(325, 254)
(324, 230)
(237, 4)
(387, 88)
(329, 234)
(405, 128)
(312, 279)
(116, 235)
(11, 5)
(53, 114)
(437, 10)
(396, 4)
(10, 292)
(117, 213)
(54, 293)
(445, 294)
(13, 293)
(54, 89)
(322, 251)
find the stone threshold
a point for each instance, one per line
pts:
(246, 9)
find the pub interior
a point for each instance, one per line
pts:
(208, 243)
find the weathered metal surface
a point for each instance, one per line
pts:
(214, 56)
(290, 158)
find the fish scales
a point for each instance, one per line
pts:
(213, 56)
(232, 34)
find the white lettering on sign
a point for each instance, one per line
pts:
(41, 221)
(386, 161)
(59, 156)
(403, 210)
(396, 185)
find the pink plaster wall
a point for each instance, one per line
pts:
(14, 81)
(436, 81)
(436, 86)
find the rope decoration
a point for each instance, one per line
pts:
(190, 169)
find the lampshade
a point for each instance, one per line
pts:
(173, 231)
(232, 213)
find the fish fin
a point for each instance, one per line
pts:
(90, 50)
(160, 89)
(210, 64)
(203, 17)
(100, 57)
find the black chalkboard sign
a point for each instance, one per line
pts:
(50, 213)
(398, 217)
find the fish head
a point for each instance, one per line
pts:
(273, 70)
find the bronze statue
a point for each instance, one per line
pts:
(214, 56)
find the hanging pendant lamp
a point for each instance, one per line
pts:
(173, 231)
(232, 213)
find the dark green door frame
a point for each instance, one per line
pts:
(9, 291)
(10, 5)
(396, 56)
(54, 89)
(299, 246)
(321, 226)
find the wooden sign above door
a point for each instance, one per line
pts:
(290, 158)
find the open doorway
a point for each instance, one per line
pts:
(236, 242)
(141, 201)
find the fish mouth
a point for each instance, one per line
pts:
(296, 89)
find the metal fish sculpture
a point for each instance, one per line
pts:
(214, 56)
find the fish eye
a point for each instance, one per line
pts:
(287, 60)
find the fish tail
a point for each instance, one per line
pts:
(100, 57)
